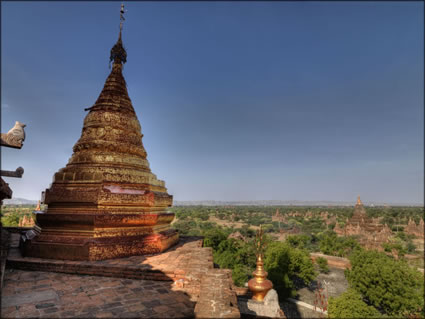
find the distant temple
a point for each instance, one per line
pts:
(105, 203)
(278, 217)
(369, 231)
(26, 221)
(415, 230)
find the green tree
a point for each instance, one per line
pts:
(402, 235)
(11, 220)
(298, 241)
(246, 231)
(389, 285)
(241, 274)
(213, 238)
(350, 305)
(185, 226)
(285, 264)
(204, 217)
(411, 247)
(331, 244)
(238, 256)
(397, 246)
(323, 264)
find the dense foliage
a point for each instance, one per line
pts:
(350, 305)
(380, 285)
(390, 285)
(287, 266)
(331, 244)
(396, 215)
(401, 244)
(231, 254)
(308, 233)
(11, 214)
(323, 264)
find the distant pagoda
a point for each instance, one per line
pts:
(106, 202)
(359, 214)
(360, 219)
(370, 232)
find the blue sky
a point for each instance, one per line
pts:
(237, 100)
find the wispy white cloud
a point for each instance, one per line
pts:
(5, 106)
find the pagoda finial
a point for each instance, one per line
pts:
(118, 53)
(122, 19)
(259, 285)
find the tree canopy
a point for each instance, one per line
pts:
(285, 265)
(232, 254)
(350, 305)
(331, 244)
(390, 285)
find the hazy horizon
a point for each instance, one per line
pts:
(238, 101)
(334, 203)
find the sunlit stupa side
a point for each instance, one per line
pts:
(106, 202)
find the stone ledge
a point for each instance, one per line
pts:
(268, 308)
(217, 299)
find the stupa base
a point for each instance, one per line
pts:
(98, 248)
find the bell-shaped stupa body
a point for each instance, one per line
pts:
(106, 202)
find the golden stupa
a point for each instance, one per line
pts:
(106, 202)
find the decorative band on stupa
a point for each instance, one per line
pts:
(106, 202)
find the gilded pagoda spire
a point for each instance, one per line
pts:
(106, 202)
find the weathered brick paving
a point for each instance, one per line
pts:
(166, 285)
(47, 294)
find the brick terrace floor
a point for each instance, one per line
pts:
(165, 285)
(55, 295)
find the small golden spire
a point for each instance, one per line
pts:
(259, 285)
